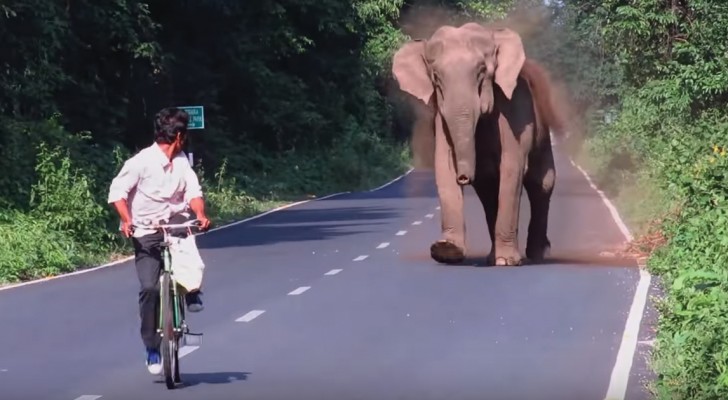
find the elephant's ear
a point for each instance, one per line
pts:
(410, 71)
(510, 57)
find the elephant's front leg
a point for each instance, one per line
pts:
(450, 248)
(509, 198)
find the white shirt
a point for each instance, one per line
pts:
(155, 187)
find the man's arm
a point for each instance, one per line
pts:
(119, 190)
(194, 196)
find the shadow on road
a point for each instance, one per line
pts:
(578, 258)
(418, 184)
(213, 378)
(300, 225)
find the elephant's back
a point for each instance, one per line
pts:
(548, 115)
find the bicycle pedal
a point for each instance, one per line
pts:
(193, 339)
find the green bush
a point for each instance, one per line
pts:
(31, 248)
(64, 198)
(687, 159)
(68, 225)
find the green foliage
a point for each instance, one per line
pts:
(30, 248)
(64, 198)
(294, 94)
(671, 128)
(61, 227)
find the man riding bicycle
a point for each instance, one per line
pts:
(157, 184)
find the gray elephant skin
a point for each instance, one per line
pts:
(490, 111)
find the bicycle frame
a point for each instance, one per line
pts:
(177, 308)
(167, 284)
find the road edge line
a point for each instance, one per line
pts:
(248, 219)
(392, 181)
(619, 378)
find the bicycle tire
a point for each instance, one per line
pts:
(180, 302)
(169, 351)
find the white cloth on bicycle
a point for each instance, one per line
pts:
(187, 265)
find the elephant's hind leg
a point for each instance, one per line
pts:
(487, 190)
(539, 184)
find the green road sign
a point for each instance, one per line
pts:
(197, 116)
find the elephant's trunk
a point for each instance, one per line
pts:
(461, 121)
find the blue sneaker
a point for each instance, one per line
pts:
(154, 361)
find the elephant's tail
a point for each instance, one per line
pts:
(548, 116)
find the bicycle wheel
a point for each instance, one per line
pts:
(168, 347)
(180, 308)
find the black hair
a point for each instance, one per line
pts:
(168, 122)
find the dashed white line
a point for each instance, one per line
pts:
(417, 223)
(88, 397)
(361, 258)
(333, 272)
(123, 260)
(298, 291)
(185, 350)
(429, 215)
(250, 316)
(383, 245)
(401, 233)
(437, 208)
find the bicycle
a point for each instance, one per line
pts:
(172, 324)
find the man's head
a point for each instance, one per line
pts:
(170, 128)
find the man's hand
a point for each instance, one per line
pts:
(123, 210)
(204, 222)
(126, 229)
(198, 207)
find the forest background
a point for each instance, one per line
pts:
(299, 101)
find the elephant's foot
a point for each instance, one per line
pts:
(446, 252)
(490, 260)
(538, 252)
(508, 257)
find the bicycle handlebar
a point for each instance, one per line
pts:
(189, 224)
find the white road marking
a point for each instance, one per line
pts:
(383, 245)
(417, 223)
(123, 260)
(437, 208)
(612, 210)
(185, 350)
(393, 180)
(333, 272)
(401, 233)
(250, 316)
(361, 258)
(429, 215)
(299, 290)
(623, 365)
(88, 397)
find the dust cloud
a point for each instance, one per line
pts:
(534, 26)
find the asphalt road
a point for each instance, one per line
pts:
(352, 308)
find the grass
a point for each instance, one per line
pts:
(67, 228)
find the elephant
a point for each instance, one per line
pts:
(491, 114)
